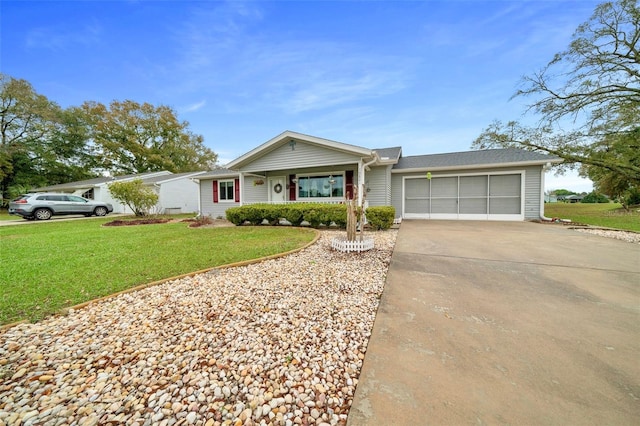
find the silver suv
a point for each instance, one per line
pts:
(42, 206)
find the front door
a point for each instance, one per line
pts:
(277, 189)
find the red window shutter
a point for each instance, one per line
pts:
(215, 191)
(349, 184)
(236, 190)
(293, 188)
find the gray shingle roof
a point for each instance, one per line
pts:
(156, 179)
(90, 183)
(390, 153)
(218, 172)
(473, 158)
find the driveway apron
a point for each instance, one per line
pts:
(504, 323)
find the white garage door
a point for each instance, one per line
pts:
(474, 197)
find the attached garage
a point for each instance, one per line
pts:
(497, 196)
(503, 184)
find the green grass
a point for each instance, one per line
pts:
(4, 215)
(609, 215)
(49, 266)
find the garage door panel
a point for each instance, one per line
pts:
(416, 205)
(444, 187)
(511, 205)
(504, 185)
(444, 205)
(473, 206)
(473, 186)
(416, 188)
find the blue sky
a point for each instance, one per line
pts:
(426, 75)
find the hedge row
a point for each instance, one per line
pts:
(314, 213)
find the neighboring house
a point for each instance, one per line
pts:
(176, 192)
(574, 198)
(496, 184)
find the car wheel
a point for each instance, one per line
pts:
(42, 214)
(100, 211)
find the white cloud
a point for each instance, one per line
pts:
(194, 107)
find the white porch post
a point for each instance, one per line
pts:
(361, 180)
(241, 185)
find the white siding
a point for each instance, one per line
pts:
(102, 193)
(180, 193)
(302, 155)
(396, 193)
(377, 181)
(532, 192)
(208, 207)
(252, 193)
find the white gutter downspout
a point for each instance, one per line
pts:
(542, 216)
(361, 168)
(196, 180)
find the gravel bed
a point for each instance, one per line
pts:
(630, 237)
(280, 342)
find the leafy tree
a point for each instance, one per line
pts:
(40, 143)
(133, 138)
(594, 197)
(563, 192)
(134, 194)
(594, 88)
(24, 121)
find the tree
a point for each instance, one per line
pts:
(593, 87)
(40, 143)
(594, 197)
(139, 198)
(24, 121)
(134, 138)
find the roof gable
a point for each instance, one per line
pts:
(292, 139)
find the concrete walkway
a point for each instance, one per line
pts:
(504, 323)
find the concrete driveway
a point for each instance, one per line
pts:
(504, 323)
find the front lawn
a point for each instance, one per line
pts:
(4, 215)
(609, 215)
(49, 266)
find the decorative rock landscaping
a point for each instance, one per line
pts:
(279, 342)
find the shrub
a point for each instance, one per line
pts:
(134, 194)
(234, 215)
(380, 217)
(632, 198)
(314, 213)
(594, 197)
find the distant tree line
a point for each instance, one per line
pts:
(43, 144)
(587, 101)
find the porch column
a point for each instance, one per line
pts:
(241, 185)
(361, 181)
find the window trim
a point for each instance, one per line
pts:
(342, 174)
(220, 192)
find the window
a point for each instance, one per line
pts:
(321, 186)
(226, 190)
(88, 194)
(76, 199)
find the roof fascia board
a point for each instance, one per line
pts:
(182, 176)
(216, 176)
(341, 163)
(477, 166)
